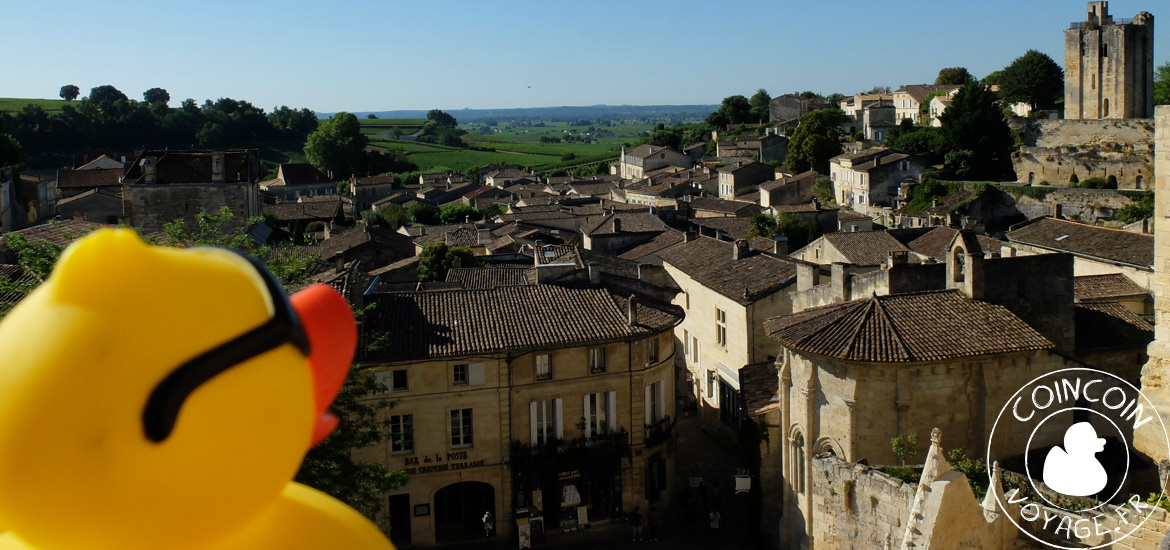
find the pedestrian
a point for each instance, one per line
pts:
(714, 518)
(652, 525)
(636, 523)
(489, 523)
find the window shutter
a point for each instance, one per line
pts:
(660, 387)
(646, 412)
(475, 374)
(558, 420)
(532, 422)
(385, 378)
(611, 411)
(588, 424)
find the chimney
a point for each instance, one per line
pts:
(217, 167)
(780, 246)
(594, 274)
(807, 276)
(739, 250)
(1058, 211)
(841, 282)
(148, 173)
(651, 274)
(617, 225)
(633, 310)
(687, 236)
(483, 236)
(340, 265)
(898, 257)
(458, 263)
(448, 238)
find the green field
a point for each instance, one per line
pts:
(393, 121)
(411, 146)
(16, 104)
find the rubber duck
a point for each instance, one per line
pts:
(155, 398)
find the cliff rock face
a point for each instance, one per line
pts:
(1156, 373)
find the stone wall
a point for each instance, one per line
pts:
(1156, 373)
(856, 507)
(1054, 150)
(149, 207)
(1086, 205)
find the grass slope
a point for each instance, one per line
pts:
(15, 104)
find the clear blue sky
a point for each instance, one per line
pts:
(366, 55)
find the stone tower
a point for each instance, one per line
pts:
(1156, 373)
(1109, 66)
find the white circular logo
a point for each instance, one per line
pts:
(1071, 475)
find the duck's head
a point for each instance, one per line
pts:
(154, 397)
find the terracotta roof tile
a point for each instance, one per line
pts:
(926, 326)
(1113, 245)
(60, 233)
(314, 210)
(72, 179)
(480, 278)
(710, 263)
(630, 222)
(18, 282)
(1110, 326)
(459, 323)
(666, 239)
(936, 242)
(760, 385)
(1100, 287)
(734, 228)
(723, 205)
(864, 248)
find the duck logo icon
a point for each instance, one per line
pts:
(1062, 454)
(1074, 470)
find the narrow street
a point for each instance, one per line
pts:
(705, 450)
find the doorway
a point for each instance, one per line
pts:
(459, 510)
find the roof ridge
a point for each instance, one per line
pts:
(894, 328)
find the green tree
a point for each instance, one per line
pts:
(953, 76)
(823, 191)
(735, 109)
(337, 145)
(798, 230)
(156, 95)
(1033, 78)
(393, 216)
(423, 214)
(1162, 84)
(975, 123)
(437, 258)
(1138, 211)
(105, 95)
(816, 139)
(904, 447)
(372, 116)
(458, 213)
(667, 138)
(759, 103)
(9, 148)
(69, 92)
(994, 78)
(441, 118)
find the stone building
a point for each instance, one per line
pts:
(162, 186)
(1097, 250)
(533, 401)
(635, 163)
(1156, 373)
(872, 177)
(1109, 66)
(727, 292)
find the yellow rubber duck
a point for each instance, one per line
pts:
(156, 398)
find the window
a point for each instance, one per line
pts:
(461, 428)
(720, 327)
(652, 350)
(695, 349)
(465, 374)
(545, 421)
(711, 385)
(460, 375)
(687, 298)
(596, 359)
(686, 343)
(1104, 50)
(394, 381)
(543, 367)
(600, 413)
(655, 401)
(402, 433)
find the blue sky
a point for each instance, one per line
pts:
(422, 54)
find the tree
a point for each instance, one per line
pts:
(1162, 84)
(393, 216)
(441, 118)
(1033, 78)
(69, 92)
(458, 213)
(816, 139)
(953, 75)
(9, 148)
(156, 95)
(437, 258)
(106, 95)
(975, 123)
(994, 78)
(760, 103)
(735, 109)
(337, 145)
(667, 138)
(905, 447)
(823, 190)
(423, 214)
(1140, 210)
(372, 116)
(798, 230)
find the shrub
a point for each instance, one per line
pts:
(1073, 179)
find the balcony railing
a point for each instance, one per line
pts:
(659, 432)
(616, 443)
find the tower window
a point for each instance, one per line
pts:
(1104, 50)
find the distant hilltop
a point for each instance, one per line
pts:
(556, 113)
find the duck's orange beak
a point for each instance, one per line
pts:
(332, 334)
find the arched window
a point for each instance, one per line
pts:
(797, 454)
(958, 262)
(1140, 182)
(1031, 178)
(1106, 111)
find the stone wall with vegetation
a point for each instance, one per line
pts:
(1055, 150)
(855, 507)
